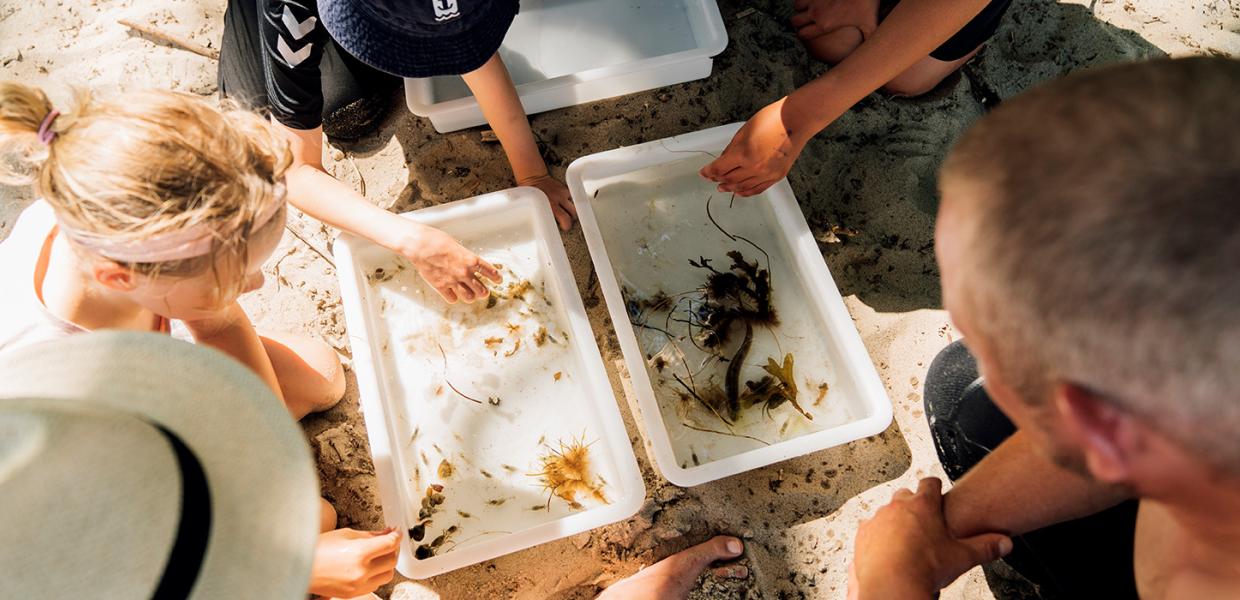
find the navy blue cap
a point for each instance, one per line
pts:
(419, 38)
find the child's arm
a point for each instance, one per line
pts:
(230, 332)
(502, 108)
(443, 262)
(764, 150)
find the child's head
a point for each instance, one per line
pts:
(164, 197)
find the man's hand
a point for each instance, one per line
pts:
(816, 17)
(350, 563)
(446, 265)
(905, 551)
(557, 194)
(760, 154)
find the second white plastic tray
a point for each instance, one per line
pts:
(567, 52)
(654, 242)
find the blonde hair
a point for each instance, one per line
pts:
(144, 164)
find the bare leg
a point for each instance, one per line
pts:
(925, 75)
(834, 46)
(832, 42)
(327, 516)
(674, 577)
(310, 375)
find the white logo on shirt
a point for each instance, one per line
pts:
(445, 9)
(292, 58)
(298, 29)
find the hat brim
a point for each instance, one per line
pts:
(404, 54)
(263, 487)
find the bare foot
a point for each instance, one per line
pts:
(831, 29)
(675, 576)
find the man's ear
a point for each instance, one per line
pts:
(113, 276)
(1104, 433)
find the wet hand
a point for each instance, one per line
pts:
(760, 154)
(450, 268)
(350, 563)
(905, 550)
(557, 193)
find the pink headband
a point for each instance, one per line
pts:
(46, 135)
(192, 242)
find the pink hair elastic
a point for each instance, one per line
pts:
(191, 242)
(46, 135)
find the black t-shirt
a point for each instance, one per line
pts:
(293, 41)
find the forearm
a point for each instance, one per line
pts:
(497, 96)
(233, 334)
(912, 30)
(1018, 488)
(323, 197)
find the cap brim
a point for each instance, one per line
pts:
(404, 54)
(263, 486)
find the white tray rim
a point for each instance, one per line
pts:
(830, 306)
(370, 390)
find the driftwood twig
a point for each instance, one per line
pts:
(173, 40)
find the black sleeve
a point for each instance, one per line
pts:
(293, 42)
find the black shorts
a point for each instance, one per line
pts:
(323, 85)
(972, 35)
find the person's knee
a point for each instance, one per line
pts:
(310, 372)
(911, 84)
(835, 46)
(328, 364)
(327, 516)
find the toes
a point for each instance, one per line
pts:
(732, 572)
(720, 547)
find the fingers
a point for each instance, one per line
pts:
(562, 217)
(812, 29)
(718, 168)
(448, 294)
(385, 562)
(567, 204)
(463, 292)
(378, 581)
(488, 271)
(930, 489)
(987, 547)
(800, 20)
(380, 543)
(475, 287)
(930, 485)
(721, 547)
(902, 494)
(732, 572)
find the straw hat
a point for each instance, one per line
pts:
(134, 465)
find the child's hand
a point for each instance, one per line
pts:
(760, 154)
(557, 194)
(447, 266)
(351, 563)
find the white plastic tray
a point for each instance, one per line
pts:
(548, 392)
(642, 210)
(566, 52)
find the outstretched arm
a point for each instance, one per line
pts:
(1018, 488)
(443, 262)
(497, 96)
(764, 150)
